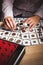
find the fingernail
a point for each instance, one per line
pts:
(31, 30)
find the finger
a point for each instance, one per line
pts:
(10, 22)
(6, 26)
(27, 28)
(31, 24)
(13, 22)
(28, 19)
(32, 27)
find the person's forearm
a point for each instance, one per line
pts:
(7, 7)
(40, 12)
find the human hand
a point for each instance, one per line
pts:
(10, 23)
(32, 21)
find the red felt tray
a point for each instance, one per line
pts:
(6, 51)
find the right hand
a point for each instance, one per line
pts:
(10, 23)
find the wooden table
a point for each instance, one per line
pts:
(33, 56)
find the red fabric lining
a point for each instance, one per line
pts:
(6, 50)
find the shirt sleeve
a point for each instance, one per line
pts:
(40, 11)
(7, 8)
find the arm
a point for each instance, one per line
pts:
(40, 11)
(7, 7)
(34, 20)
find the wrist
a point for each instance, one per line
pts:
(37, 16)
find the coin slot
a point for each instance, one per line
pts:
(26, 42)
(21, 23)
(27, 24)
(11, 39)
(16, 28)
(25, 36)
(1, 33)
(34, 41)
(17, 24)
(4, 38)
(0, 48)
(2, 54)
(5, 49)
(23, 30)
(6, 33)
(18, 41)
(33, 35)
(14, 34)
(41, 40)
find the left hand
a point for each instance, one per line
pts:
(32, 21)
